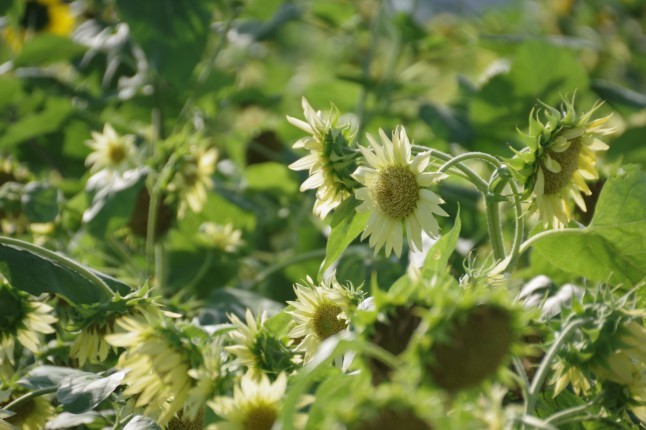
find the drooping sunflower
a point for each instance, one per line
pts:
(158, 365)
(255, 404)
(257, 349)
(319, 312)
(396, 193)
(560, 157)
(330, 161)
(193, 177)
(41, 16)
(22, 320)
(111, 151)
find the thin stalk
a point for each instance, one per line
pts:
(27, 397)
(494, 226)
(160, 265)
(206, 264)
(568, 414)
(529, 242)
(61, 260)
(546, 363)
(519, 226)
(472, 176)
(471, 156)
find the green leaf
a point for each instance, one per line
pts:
(47, 376)
(140, 422)
(40, 202)
(613, 247)
(31, 126)
(347, 223)
(439, 254)
(65, 420)
(36, 274)
(271, 177)
(47, 49)
(172, 34)
(113, 202)
(82, 393)
(616, 94)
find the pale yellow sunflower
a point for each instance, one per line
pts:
(22, 320)
(330, 161)
(255, 405)
(319, 312)
(111, 151)
(4, 425)
(32, 414)
(158, 368)
(193, 178)
(396, 193)
(257, 349)
(90, 345)
(222, 237)
(206, 378)
(559, 159)
(41, 16)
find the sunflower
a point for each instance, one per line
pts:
(560, 157)
(111, 151)
(396, 193)
(330, 160)
(158, 366)
(193, 178)
(21, 320)
(32, 414)
(257, 349)
(319, 312)
(223, 237)
(41, 16)
(255, 404)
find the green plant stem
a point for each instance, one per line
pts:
(27, 397)
(519, 226)
(564, 416)
(529, 242)
(482, 156)
(472, 176)
(546, 363)
(204, 268)
(494, 226)
(153, 207)
(61, 260)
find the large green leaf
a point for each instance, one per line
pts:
(173, 34)
(347, 223)
(32, 269)
(81, 393)
(40, 202)
(47, 376)
(613, 247)
(438, 256)
(48, 120)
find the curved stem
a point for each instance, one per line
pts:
(27, 397)
(60, 259)
(544, 368)
(519, 226)
(495, 227)
(206, 264)
(529, 242)
(472, 176)
(568, 414)
(471, 156)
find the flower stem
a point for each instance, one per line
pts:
(566, 415)
(472, 176)
(66, 262)
(544, 368)
(519, 226)
(27, 397)
(529, 242)
(471, 156)
(494, 226)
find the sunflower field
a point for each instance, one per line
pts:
(323, 214)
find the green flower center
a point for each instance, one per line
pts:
(396, 192)
(326, 321)
(569, 161)
(36, 16)
(116, 152)
(13, 310)
(260, 417)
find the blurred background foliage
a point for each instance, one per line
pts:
(460, 75)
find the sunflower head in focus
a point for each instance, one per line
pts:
(330, 161)
(40, 16)
(23, 320)
(561, 155)
(396, 192)
(319, 312)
